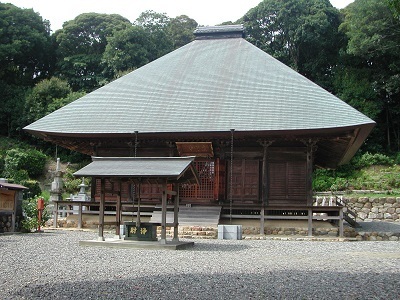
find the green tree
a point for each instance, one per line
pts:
(156, 25)
(181, 30)
(25, 46)
(81, 45)
(127, 50)
(42, 95)
(26, 57)
(394, 6)
(12, 105)
(303, 34)
(372, 54)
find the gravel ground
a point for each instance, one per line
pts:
(51, 265)
(379, 226)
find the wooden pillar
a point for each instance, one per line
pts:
(13, 214)
(137, 193)
(163, 239)
(118, 212)
(101, 211)
(176, 213)
(264, 201)
(93, 189)
(311, 148)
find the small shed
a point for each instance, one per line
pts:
(10, 205)
(162, 171)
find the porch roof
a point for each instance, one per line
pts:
(146, 169)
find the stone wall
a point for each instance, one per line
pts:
(375, 209)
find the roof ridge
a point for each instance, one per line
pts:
(218, 32)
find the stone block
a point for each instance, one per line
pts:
(362, 215)
(363, 200)
(372, 215)
(391, 210)
(375, 210)
(358, 205)
(391, 200)
(365, 210)
(382, 200)
(368, 205)
(230, 232)
(388, 216)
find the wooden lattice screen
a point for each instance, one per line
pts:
(206, 190)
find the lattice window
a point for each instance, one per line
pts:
(204, 191)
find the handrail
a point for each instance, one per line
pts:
(348, 213)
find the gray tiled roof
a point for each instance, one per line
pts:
(207, 85)
(140, 167)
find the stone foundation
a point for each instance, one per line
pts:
(375, 209)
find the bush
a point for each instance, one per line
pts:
(31, 160)
(33, 186)
(30, 214)
(368, 159)
(71, 183)
(322, 180)
(397, 158)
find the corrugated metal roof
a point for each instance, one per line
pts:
(172, 168)
(207, 85)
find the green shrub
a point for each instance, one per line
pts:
(33, 186)
(71, 183)
(368, 159)
(339, 184)
(322, 180)
(31, 160)
(397, 158)
(30, 214)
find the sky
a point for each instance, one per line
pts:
(205, 12)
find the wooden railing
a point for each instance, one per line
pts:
(349, 215)
(308, 213)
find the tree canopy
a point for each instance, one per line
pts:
(301, 33)
(372, 60)
(80, 47)
(26, 57)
